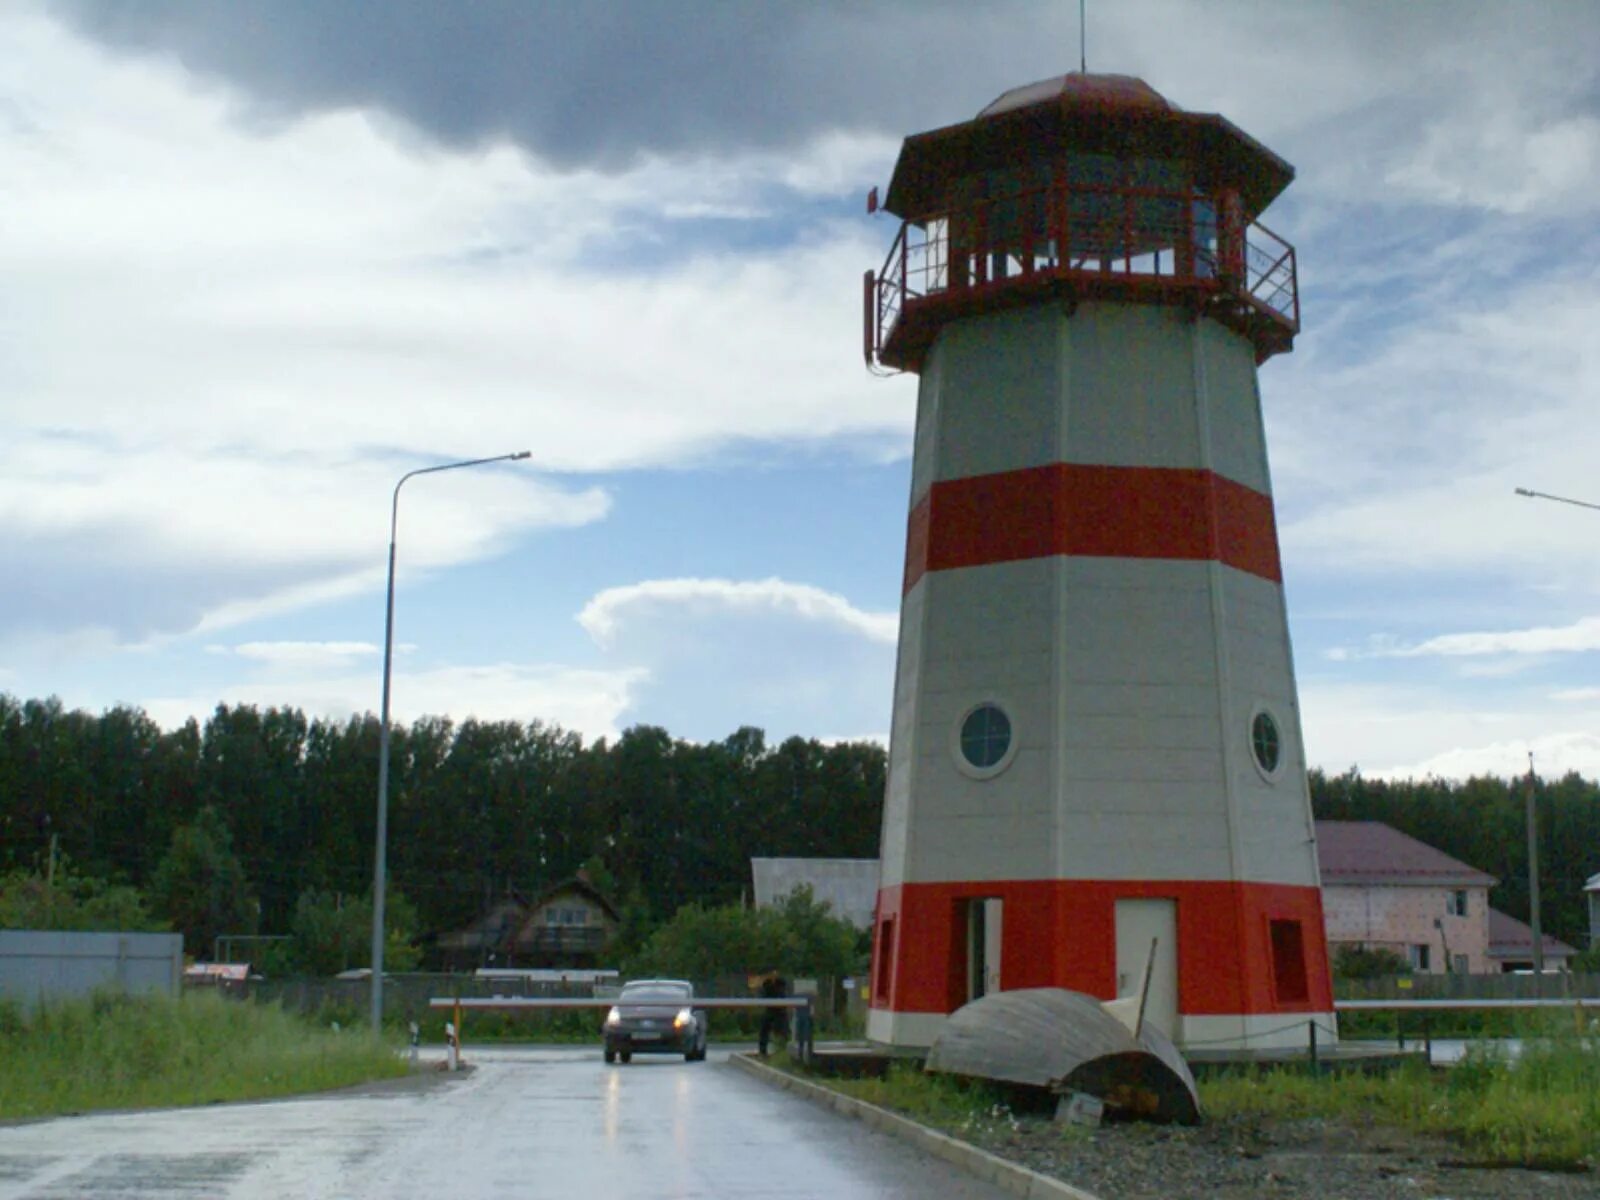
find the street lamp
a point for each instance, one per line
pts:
(379, 868)
(1532, 495)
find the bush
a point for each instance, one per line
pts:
(1359, 962)
(799, 936)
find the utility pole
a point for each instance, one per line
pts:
(50, 882)
(1533, 880)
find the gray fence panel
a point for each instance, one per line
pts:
(39, 965)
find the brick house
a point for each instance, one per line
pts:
(1384, 889)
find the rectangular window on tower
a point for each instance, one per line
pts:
(880, 982)
(1289, 962)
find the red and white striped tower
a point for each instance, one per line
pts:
(1096, 742)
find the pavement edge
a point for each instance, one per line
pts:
(1019, 1181)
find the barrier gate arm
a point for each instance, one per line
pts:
(803, 1032)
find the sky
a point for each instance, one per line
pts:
(259, 260)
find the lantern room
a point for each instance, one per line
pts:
(1082, 187)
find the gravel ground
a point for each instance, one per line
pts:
(1248, 1159)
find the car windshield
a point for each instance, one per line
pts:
(654, 992)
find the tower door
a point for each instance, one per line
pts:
(983, 946)
(1139, 923)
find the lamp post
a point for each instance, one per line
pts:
(381, 856)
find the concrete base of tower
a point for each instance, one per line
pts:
(903, 1030)
(1243, 1034)
(1265, 1032)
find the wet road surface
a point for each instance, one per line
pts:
(535, 1124)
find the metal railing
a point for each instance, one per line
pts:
(1170, 240)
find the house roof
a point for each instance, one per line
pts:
(849, 885)
(1593, 885)
(581, 885)
(1510, 938)
(489, 928)
(1353, 853)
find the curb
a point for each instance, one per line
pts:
(1019, 1181)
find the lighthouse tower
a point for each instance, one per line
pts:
(1095, 761)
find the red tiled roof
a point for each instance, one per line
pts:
(1370, 852)
(1510, 938)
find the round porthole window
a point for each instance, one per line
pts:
(1266, 743)
(984, 741)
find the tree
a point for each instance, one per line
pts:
(798, 936)
(200, 887)
(65, 900)
(333, 933)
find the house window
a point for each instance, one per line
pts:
(566, 916)
(1456, 904)
(1420, 958)
(1289, 962)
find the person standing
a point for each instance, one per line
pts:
(774, 1020)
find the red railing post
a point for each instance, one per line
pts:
(869, 313)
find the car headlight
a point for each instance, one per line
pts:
(613, 1018)
(685, 1017)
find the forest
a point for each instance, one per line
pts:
(236, 824)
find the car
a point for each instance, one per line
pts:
(655, 1016)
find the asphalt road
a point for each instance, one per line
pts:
(530, 1124)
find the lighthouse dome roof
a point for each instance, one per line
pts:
(1075, 91)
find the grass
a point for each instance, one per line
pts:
(945, 1102)
(1542, 1109)
(116, 1051)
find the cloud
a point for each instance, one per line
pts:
(1582, 695)
(604, 613)
(607, 82)
(788, 657)
(588, 701)
(300, 656)
(1576, 638)
(1386, 95)
(287, 318)
(1554, 755)
(1411, 728)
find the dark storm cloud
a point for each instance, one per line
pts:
(600, 82)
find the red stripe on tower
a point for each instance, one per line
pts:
(1082, 510)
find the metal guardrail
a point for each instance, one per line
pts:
(1158, 237)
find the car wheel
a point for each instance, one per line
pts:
(611, 1055)
(625, 1055)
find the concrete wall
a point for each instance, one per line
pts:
(36, 965)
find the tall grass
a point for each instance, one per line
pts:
(1540, 1108)
(115, 1051)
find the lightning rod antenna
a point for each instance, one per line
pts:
(1083, 38)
